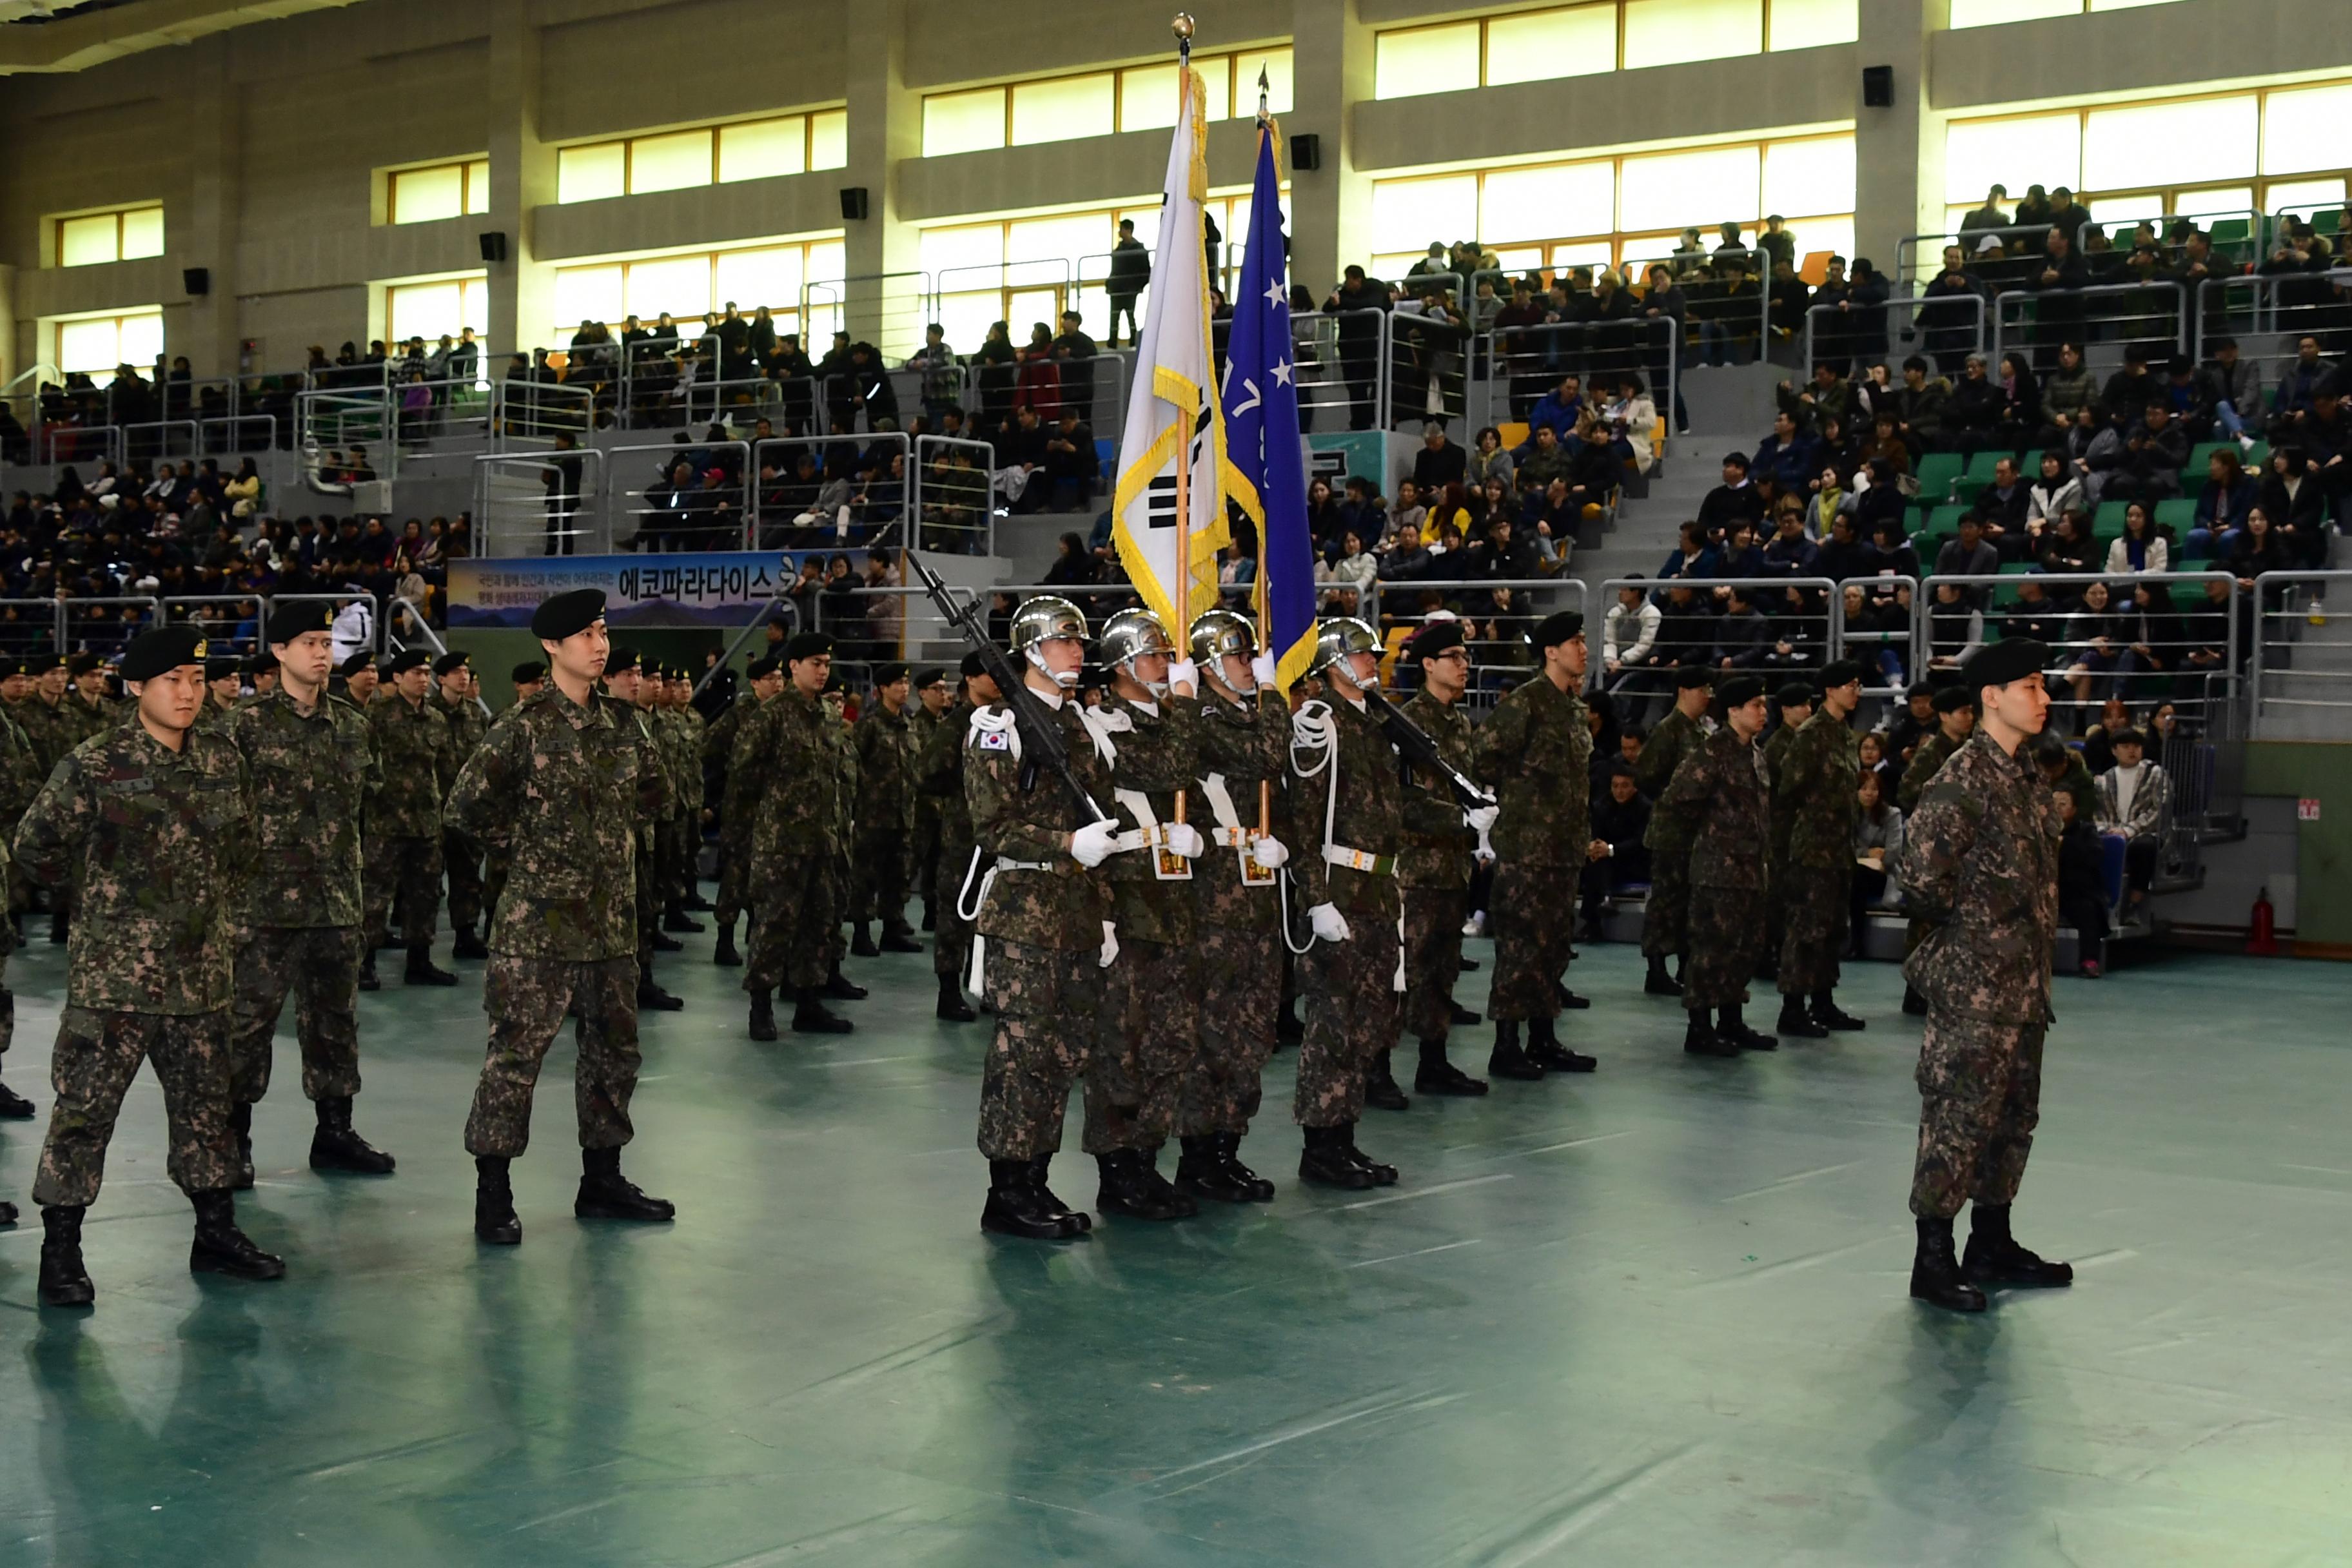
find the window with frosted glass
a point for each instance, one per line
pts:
(141, 341)
(2036, 149)
(678, 284)
(88, 346)
(88, 241)
(1809, 176)
(671, 163)
(1276, 64)
(590, 173)
(1408, 214)
(1058, 240)
(477, 187)
(589, 294)
(1540, 45)
(143, 233)
(431, 310)
(2303, 128)
(1673, 32)
(2168, 143)
(755, 278)
(2303, 197)
(1572, 198)
(1811, 24)
(1146, 98)
(427, 196)
(964, 121)
(1066, 109)
(829, 139)
(1993, 13)
(1672, 190)
(1426, 59)
(762, 149)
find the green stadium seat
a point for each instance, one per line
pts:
(2108, 522)
(1979, 469)
(2181, 516)
(1937, 472)
(2229, 230)
(2018, 568)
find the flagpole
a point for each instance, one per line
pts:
(1264, 589)
(1182, 27)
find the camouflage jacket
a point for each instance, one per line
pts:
(1536, 750)
(21, 772)
(468, 725)
(938, 772)
(1720, 804)
(563, 787)
(157, 844)
(1979, 864)
(76, 720)
(1029, 820)
(685, 727)
(797, 809)
(1240, 746)
(43, 725)
(1369, 815)
(1154, 755)
(1438, 844)
(1816, 790)
(413, 751)
(885, 745)
(1675, 737)
(724, 743)
(310, 776)
(1927, 756)
(1772, 748)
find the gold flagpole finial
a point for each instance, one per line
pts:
(1182, 27)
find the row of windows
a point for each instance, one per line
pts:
(707, 155)
(1099, 103)
(441, 191)
(94, 345)
(1593, 39)
(692, 285)
(434, 311)
(124, 235)
(1993, 13)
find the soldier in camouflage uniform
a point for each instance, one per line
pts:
(1816, 789)
(224, 684)
(81, 711)
(725, 742)
(1043, 926)
(21, 776)
(563, 780)
(1722, 804)
(1980, 864)
(930, 707)
(454, 694)
(941, 771)
(625, 682)
(885, 743)
(796, 818)
(1433, 874)
(414, 754)
(686, 827)
(41, 715)
(155, 816)
(1665, 915)
(1954, 707)
(836, 735)
(1795, 703)
(1536, 748)
(527, 679)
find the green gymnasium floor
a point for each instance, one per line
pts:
(1657, 1316)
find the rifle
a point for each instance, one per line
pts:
(1041, 736)
(1413, 742)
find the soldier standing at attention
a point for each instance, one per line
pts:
(404, 861)
(453, 693)
(300, 914)
(885, 741)
(81, 713)
(1666, 915)
(1723, 803)
(1795, 702)
(527, 679)
(262, 670)
(43, 715)
(834, 736)
(1433, 877)
(1955, 712)
(1817, 790)
(941, 769)
(224, 684)
(932, 699)
(21, 777)
(1044, 928)
(1536, 748)
(155, 816)
(685, 830)
(797, 812)
(1980, 864)
(726, 740)
(564, 783)
(625, 683)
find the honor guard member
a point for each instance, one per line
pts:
(414, 756)
(1954, 714)
(1433, 873)
(1345, 774)
(1241, 741)
(924, 715)
(1817, 790)
(941, 769)
(21, 776)
(1148, 1031)
(624, 673)
(1042, 926)
(1795, 703)
(154, 816)
(1722, 806)
(453, 693)
(300, 915)
(1536, 748)
(795, 820)
(729, 742)
(885, 741)
(1979, 864)
(1665, 917)
(564, 783)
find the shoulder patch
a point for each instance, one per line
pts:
(994, 740)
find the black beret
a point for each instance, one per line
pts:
(1557, 628)
(930, 675)
(807, 645)
(1692, 676)
(1917, 689)
(1437, 637)
(261, 663)
(449, 661)
(2013, 658)
(9, 667)
(406, 659)
(42, 663)
(972, 665)
(1795, 694)
(1952, 698)
(151, 654)
(526, 672)
(1840, 672)
(290, 621)
(568, 615)
(361, 660)
(762, 667)
(1740, 690)
(894, 670)
(220, 668)
(81, 664)
(622, 659)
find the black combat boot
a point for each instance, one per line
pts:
(725, 955)
(7, 1213)
(861, 942)
(1460, 1015)
(64, 1281)
(1994, 1258)
(1258, 1189)
(1381, 1090)
(1132, 1186)
(335, 1147)
(1382, 1176)
(1545, 1050)
(240, 1121)
(930, 916)
(13, 1107)
(1701, 1038)
(467, 944)
(838, 986)
(810, 1015)
(1201, 1173)
(368, 981)
(952, 1007)
(899, 942)
(1913, 1003)
(1795, 1020)
(605, 1194)
(1507, 1060)
(1658, 983)
(658, 942)
(1288, 1029)
(1936, 1276)
(1324, 1161)
(1826, 1014)
(1731, 1022)
(763, 1014)
(1466, 966)
(652, 998)
(675, 919)
(220, 1248)
(60, 927)
(1435, 1075)
(493, 1211)
(1569, 1000)
(1080, 1218)
(421, 969)
(1018, 1206)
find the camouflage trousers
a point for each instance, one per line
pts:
(1980, 1098)
(1240, 978)
(1147, 1034)
(7, 998)
(97, 1056)
(496, 858)
(734, 870)
(461, 857)
(1666, 919)
(884, 863)
(1727, 932)
(951, 940)
(1816, 907)
(836, 937)
(1045, 999)
(793, 918)
(1351, 1018)
(686, 847)
(320, 965)
(403, 883)
(1433, 957)
(1533, 913)
(527, 999)
(648, 905)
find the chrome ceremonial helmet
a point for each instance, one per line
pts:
(1129, 635)
(1219, 634)
(1338, 638)
(1044, 619)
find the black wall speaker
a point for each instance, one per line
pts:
(853, 203)
(1878, 87)
(494, 245)
(197, 280)
(1306, 150)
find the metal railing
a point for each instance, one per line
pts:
(55, 443)
(2098, 655)
(161, 438)
(1496, 614)
(104, 623)
(2243, 233)
(2105, 319)
(246, 617)
(954, 505)
(1807, 631)
(712, 507)
(526, 414)
(1946, 328)
(857, 495)
(2266, 314)
(32, 626)
(1727, 302)
(538, 504)
(1518, 366)
(224, 437)
(2301, 681)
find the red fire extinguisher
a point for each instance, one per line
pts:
(2262, 937)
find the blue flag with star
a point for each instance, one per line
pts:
(1266, 469)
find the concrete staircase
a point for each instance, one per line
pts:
(1730, 406)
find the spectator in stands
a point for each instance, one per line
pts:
(2233, 387)
(1489, 462)
(2184, 394)
(2207, 642)
(2082, 886)
(1070, 455)
(2139, 548)
(2299, 387)
(1955, 627)
(1408, 513)
(1952, 312)
(2221, 506)
(2058, 315)
(2155, 632)
(1351, 575)
(2052, 496)
(1988, 216)
(1632, 424)
(1914, 724)
(2002, 509)
(1790, 299)
(1559, 411)
(2294, 498)
(1826, 395)
(1621, 820)
(1790, 554)
(1128, 275)
(2093, 644)
(1440, 462)
(2066, 392)
(2153, 456)
(1973, 414)
(1877, 845)
(1358, 340)
(1787, 456)
(1921, 401)
(1896, 555)
(2259, 548)
(1073, 358)
(1843, 555)
(1742, 634)
(1969, 554)
(1548, 460)
(1736, 497)
(2134, 802)
(1629, 633)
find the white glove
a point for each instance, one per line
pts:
(1185, 840)
(1091, 845)
(1269, 853)
(1330, 924)
(1184, 677)
(1483, 818)
(1262, 669)
(1109, 947)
